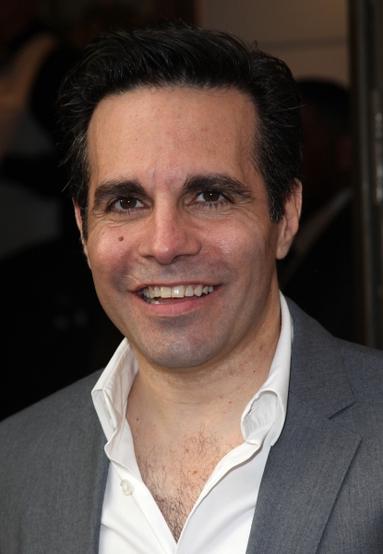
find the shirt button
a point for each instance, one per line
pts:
(127, 487)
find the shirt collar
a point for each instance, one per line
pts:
(266, 409)
(110, 394)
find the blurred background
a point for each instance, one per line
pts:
(53, 330)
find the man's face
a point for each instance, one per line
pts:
(180, 241)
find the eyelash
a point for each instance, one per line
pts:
(212, 204)
(113, 205)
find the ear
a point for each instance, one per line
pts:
(289, 224)
(80, 226)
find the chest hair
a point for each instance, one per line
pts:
(176, 476)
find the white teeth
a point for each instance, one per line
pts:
(198, 290)
(166, 292)
(178, 291)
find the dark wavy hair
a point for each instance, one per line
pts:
(184, 55)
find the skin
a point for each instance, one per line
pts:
(175, 198)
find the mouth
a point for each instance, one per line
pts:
(158, 294)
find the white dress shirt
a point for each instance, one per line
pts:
(220, 520)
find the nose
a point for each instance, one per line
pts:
(169, 234)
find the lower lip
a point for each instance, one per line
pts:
(171, 307)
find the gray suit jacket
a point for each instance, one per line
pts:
(322, 490)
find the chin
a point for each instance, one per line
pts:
(180, 356)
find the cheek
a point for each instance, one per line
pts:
(108, 257)
(247, 248)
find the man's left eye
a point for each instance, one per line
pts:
(210, 196)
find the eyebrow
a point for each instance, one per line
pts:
(216, 181)
(114, 188)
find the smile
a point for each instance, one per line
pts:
(153, 293)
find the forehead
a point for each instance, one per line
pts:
(171, 130)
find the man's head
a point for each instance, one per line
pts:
(180, 55)
(188, 193)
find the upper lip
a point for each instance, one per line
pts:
(193, 283)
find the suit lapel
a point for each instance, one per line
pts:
(83, 499)
(308, 464)
(68, 506)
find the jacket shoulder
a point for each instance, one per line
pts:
(331, 363)
(42, 422)
(364, 367)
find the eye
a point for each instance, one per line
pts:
(211, 197)
(126, 204)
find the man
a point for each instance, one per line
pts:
(231, 421)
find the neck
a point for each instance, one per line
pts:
(212, 396)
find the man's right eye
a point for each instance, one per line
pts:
(126, 204)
